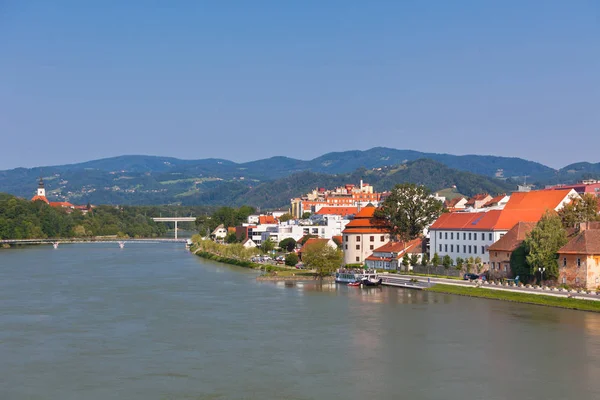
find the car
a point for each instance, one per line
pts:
(470, 277)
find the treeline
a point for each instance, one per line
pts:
(23, 219)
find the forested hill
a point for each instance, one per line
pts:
(434, 175)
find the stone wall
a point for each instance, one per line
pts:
(439, 270)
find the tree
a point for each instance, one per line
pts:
(435, 260)
(306, 215)
(409, 209)
(322, 258)
(288, 244)
(478, 264)
(459, 262)
(286, 217)
(231, 238)
(584, 209)
(405, 261)
(542, 244)
(425, 260)
(414, 260)
(291, 260)
(447, 261)
(518, 264)
(267, 245)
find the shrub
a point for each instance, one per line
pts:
(291, 259)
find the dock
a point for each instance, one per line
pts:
(402, 282)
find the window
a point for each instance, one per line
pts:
(440, 247)
(371, 238)
(475, 249)
(482, 236)
(382, 238)
(564, 261)
(451, 248)
(490, 237)
(358, 247)
(451, 235)
(357, 259)
(446, 248)
(464, 248)
(564, 280)
(579, 262)
(495, 254)
(346, 247)
(440, 235)
(576, 280)
(346, 238)
(371, 247)
(469, 235)
(445, 235)
(493, 265)
(505, 267)
(482, 249)
(358, 238)
(464, 236)
(469, 249)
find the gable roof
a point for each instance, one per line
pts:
(266, 219)
(537, 199)
(513, 238)
(495, 200)
(586, 242)
(65, 204)
(412, 246)
(452, 203)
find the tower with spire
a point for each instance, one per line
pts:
(41, 192)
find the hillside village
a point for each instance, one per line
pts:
(480, 232)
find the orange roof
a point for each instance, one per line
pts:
(65, 204)
(412, 246)
(452, 203)
(513, 238)
(40, 198)
(366, 212)
(537, 199)
(267, 219)
(586, 242)
(343, 211)
(478, 197)
(462, 220)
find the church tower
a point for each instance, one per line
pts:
(41, 190)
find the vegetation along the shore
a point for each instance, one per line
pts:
(552, 301)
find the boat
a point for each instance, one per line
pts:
(348, 275)
(371, 280)
(357, 283)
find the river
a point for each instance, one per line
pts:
(151, 321)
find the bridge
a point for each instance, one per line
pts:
(176, 220)
(121, 242)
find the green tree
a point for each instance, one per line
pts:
(478, 264)
(286, 217)
(288, 244)
(414, 260)
(425, 260)
(406, 261)
(322, 258)
(459, 262)
(291, 259)
(447, 261)
(231, 238)
(408, 210)
(435, 260)
(518, 264)
(306, 215)
(267, 245)
(584, 209)
(542, 245)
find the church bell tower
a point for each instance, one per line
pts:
(41, 190)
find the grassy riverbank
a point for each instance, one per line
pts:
(241, 263)
(551, 301)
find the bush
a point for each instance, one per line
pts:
(291, 259)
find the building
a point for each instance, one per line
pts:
(363, 235)
(220, 233)
(478, 201)
(465, 235)
(498, 202)
(248, 243)
(584, 187)
(579, 259)
(501, 251)
(390, 255)
(456, 204)
(41, 193)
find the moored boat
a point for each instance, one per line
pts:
(370, 280)
(357, 283)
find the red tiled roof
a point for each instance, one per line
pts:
(537, 199)
(477, 197)
(64, 204)
(343, 211)
(586, 242)
(513, 238)
(366, 212)
(494, 201)
(452, 203)
(267, 219)
(413, 246)
(40, 198)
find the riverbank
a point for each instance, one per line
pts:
(538, 299)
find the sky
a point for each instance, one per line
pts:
(245, 80)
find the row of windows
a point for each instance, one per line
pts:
(565, 262)
(371, 238)
(499, 266)
(371, 247)
(472, 249)
(470, 235)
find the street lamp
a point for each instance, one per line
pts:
(541, 274)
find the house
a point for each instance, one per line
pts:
(219, 233)
(478, 200)
(362, 235)
(579, 259)
(460, 234)
(458, 203)
(497, 202)
(312, 241)
(390, 255)
(584, 187)
(248, 243)
(501, 251)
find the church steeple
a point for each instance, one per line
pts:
(41, 190)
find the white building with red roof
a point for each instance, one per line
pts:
(459, 234)
(390, 255)
(363, 235)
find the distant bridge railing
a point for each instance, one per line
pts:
(56, 241)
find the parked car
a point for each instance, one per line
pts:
(470, 277)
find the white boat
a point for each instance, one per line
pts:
(348, 276)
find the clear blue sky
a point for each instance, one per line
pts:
(244, 80)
